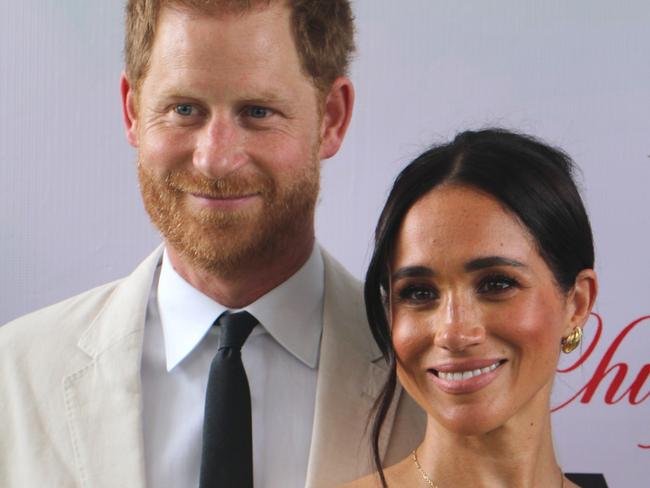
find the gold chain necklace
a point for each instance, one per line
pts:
(430, 482)
(425, 476)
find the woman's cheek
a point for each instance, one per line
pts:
(411, 339)
(534, 330)
(535, 322)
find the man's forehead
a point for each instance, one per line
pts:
(206, 55)
(217, 7)
(215, 42)
(229, 25)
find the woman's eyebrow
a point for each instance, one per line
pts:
(473, 265)
(491, 261)
(412, 272)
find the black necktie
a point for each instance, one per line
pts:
(227, 456)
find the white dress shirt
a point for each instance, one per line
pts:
(280, 357)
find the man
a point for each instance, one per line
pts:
(232, 105)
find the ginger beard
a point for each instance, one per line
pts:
(223, 241)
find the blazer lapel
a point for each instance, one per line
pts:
(351, 374)
(103, 399)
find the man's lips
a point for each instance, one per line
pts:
(224, 201)
(223, 197)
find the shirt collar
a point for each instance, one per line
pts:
(292, 312)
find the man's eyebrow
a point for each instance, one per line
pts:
(491, 261)
(412, 272)
(262, 96)
(249, 97)
(173, 93)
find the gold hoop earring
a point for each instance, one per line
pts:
(570, 342)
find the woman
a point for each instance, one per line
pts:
(482, 273)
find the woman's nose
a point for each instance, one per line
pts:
(458, 325)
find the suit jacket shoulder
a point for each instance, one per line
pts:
(62, 368)
(59, 322)
(351, 375)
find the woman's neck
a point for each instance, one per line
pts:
(519, 453)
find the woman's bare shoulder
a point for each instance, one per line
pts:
(370, 481)
(397, 476)
(569, 484)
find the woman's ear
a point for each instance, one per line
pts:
(581, 299)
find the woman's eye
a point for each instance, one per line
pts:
(497, 284)
(258, 112)
(417, 294)
(184, 109)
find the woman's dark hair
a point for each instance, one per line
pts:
(529, 178)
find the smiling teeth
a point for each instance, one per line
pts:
(465, 375)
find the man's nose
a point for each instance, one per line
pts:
(459, 325)
(219, 148)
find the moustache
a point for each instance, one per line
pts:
(231, 186)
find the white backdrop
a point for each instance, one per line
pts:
(574, 73)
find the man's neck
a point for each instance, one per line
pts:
(255, 279)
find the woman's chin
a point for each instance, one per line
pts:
(468, 421)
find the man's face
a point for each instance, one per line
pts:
(229, 137)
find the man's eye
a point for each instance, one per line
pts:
(258, 112)
(184, 109)
(497, 284)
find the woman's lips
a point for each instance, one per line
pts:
(466, 377)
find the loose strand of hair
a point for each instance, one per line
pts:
(379, 413)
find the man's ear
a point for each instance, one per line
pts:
(129, 110)
(581, 299)
(337, 112)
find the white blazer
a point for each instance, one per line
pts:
(71, 395)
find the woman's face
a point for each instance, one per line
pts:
(477, 318)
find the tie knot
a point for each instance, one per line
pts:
(235, 329)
